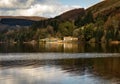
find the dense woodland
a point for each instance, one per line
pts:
(99, 23)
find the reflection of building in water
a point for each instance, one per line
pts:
(53, 47)
(73, 47)
(62, 47)
(59, 47)
(67, 45)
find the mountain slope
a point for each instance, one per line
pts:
(105, 8)
(72, 14)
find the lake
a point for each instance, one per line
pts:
(59, 64)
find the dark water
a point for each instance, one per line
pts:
(63, 48)
(59, 64)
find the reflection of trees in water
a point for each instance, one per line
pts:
(103, 48)
(81, 47)
(106, 67)
(17, 48)
(51, 47)
(113, 48)
(60, 47)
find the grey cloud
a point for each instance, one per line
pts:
(15, 3)
(24, 3)
(46, 1)
(46, 8)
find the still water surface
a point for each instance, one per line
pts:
(60, 64)
(62, 48)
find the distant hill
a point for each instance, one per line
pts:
(19, 20)
(14, 22)
(33, 18)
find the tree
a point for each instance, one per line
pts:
(42, 33)
(99, 30)
(88, 31)
(83, 20)
(66, 28)
(112, 26)
(50, 30)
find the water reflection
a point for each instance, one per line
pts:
(62, 71)
(60, 47)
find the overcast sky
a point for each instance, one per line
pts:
(44, 8)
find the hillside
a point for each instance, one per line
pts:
(71, 15)
(99, 21)
(105, 8)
